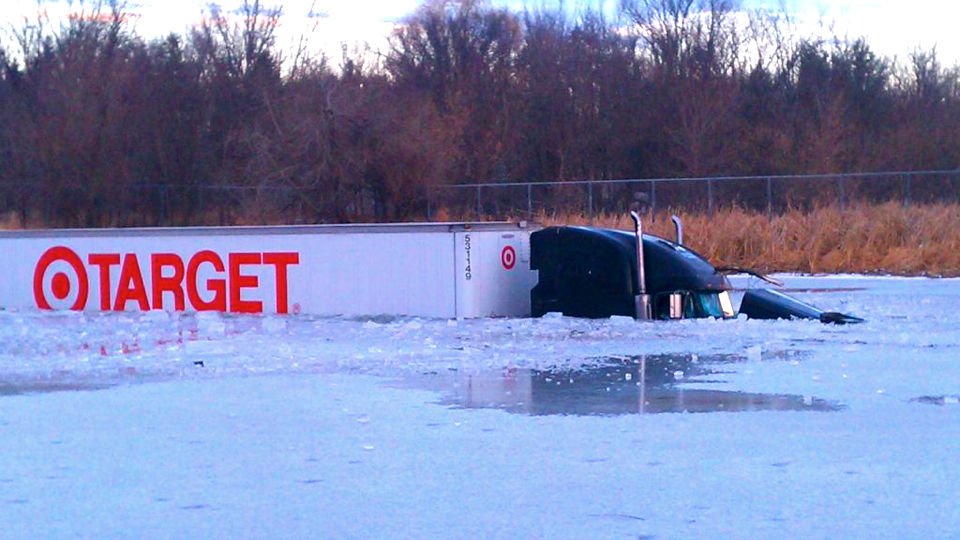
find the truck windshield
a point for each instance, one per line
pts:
(709, 304)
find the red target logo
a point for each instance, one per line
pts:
(508, 258)
(58, 273)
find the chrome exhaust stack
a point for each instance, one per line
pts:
(642, 300)
(678, 225)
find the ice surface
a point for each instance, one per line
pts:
(263, 427)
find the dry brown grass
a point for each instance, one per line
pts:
(10, 221)
(870, 239)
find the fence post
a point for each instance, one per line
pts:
(653, 197)
(479, 203)
(429, 205)
(710, 197)
(590, 200)
(769, 198)
(843, 193)
(529, 200)
(906, 190)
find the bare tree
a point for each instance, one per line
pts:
(686, 38)
(243, 41)
(462, 53)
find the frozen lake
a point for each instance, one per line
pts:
(159, 425)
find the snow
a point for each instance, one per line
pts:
(176, 425)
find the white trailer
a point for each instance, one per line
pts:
(445, 270)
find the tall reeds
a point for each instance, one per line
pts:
(870, 239)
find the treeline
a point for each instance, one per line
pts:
(99, 126)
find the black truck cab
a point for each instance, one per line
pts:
(592, 272)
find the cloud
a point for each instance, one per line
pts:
(891, 29)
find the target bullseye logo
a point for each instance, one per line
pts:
(508, 258)
(60, 285)
(60, 262)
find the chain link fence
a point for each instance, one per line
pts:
(768, 194)
(180, 205)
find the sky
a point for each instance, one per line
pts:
(892, 28)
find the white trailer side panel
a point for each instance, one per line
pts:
(321, 270)
(493, 274)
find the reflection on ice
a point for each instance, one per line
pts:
(640, 385)
(11, 388)
(937, 400)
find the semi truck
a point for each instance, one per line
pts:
(443, 270)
